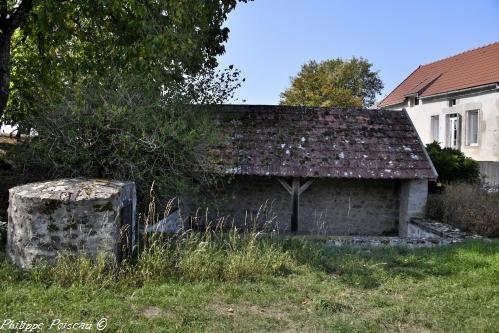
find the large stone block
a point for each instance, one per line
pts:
(79, 216)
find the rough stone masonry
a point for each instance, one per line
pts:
(323, 170)
(70, 215)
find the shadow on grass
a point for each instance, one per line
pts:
(369, 267)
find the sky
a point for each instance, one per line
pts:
(269, 40)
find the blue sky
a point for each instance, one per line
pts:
(271, 39)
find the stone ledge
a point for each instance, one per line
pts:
(425, 233)
(361, 241)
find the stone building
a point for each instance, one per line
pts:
(455, 101)
(319, 170)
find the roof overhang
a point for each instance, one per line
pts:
(463, 92)
(448, 94)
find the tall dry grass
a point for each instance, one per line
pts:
(217, 253)
(467, 207)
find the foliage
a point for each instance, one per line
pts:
(445, 289)
(452, 165)
(334, 83)
(12, 15)
(467, 207)
(64, 42)
(124, 127)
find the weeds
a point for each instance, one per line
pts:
(467, 207)
(217, 253)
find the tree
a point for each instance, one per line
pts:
(334, 83)
(76, 40)
(10, 19)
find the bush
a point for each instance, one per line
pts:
(125, 128)
(452, 165)
(467, 207)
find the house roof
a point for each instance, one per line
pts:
(318, 142)
(469, 69)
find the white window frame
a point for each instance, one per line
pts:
(468, 128)
(453, 131)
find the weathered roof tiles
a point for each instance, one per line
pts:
(318, 142)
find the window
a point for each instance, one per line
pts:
(434, 128)
(453, 130)
(452, 102)
(416, 101)
(472, 128)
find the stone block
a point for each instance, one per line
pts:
(78, 216)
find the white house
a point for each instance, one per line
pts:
(455, 101)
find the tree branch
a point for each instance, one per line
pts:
(19, 15)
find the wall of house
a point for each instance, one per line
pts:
(328, 206)
(487, 104)
(7, 129)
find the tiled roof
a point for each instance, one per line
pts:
(318, 142)
(469, 69)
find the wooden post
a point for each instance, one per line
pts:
(295, 203)
(295, 190)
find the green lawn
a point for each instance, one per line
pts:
(448, 289)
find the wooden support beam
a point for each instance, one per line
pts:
(285, 185)
(304, 187)
(295, 190)
(295, 204)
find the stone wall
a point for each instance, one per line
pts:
(250, 200)
(426, 228)
(421, 233)
(328, 206)
(412, 202)
(349, 207)
(69, 215)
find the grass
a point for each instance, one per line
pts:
(296, 285)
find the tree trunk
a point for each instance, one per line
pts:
(9, 22)
(5, 40)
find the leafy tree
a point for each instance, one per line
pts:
(335, 82)
(55, 43)
(452, 165)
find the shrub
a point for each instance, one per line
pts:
(467, 207)
(124, 127)
(452, 165)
